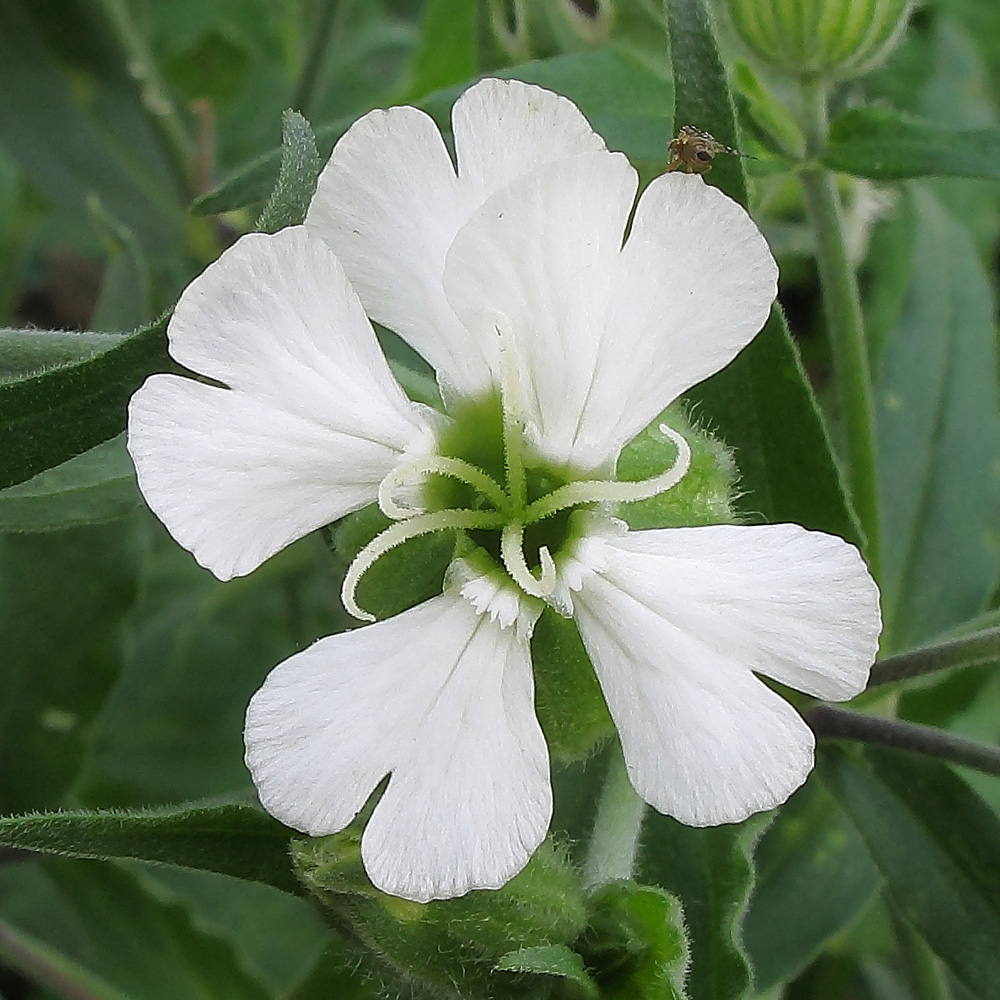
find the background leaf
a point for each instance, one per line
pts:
(886, 145)
(938, 437)
(446, 52)
(62, 599)
(814, 877)
(938, 847)
(93, 488)
(101, 920)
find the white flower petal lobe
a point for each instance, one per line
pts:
(537, 262)
(677, 620)
(440, 696)
(310, 423)
(389, 204)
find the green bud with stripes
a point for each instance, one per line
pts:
(829, 39)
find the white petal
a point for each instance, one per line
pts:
(389, 204)
(236, 479)
(694, 286)
(538, 261)
(675, 620)
(505, 128)
(311, 424)
(441, 697)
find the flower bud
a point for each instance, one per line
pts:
(451, 946)
(832, 39)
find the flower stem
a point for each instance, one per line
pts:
(842, 309)
(982, 647)
(44, 966)
(326, 28)
(617, 826)
(838, 724)
(156, 101)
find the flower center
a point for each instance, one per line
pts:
(486, 483)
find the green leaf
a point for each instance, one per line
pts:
(126, 293)
(275, 936)
(711, 873)
(51, 414)
(937, 845)
(110, 936)
(551, 960)
(814, 878)
(296, 184)
(938, 437)
(171, 728)
(624, 99)
(886, 145)
(636, 944)
(446, 53)
(231, 839)
(92, 488)
(62, 598)
(761, 404)
(72, 149)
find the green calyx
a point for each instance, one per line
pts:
(444, 948)
(826, 39)
(485, 483)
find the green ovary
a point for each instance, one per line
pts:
(476, 436)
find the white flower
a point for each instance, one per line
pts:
(513, 278)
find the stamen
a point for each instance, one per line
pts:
(512, 553)
(439, 465)
(512, 422)
(403, 531)
(610, 491)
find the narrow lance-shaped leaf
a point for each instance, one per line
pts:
(296, 183)
(93, 488)
(937, 844)
(51, 414)
(761, 404)
(232, 840)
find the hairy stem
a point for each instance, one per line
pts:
(966, 652)
(842, 309)
(839, 724)
(617, 826)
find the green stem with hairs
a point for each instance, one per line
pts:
(970, 650)
(842, 309)
(839, 724)
(617, 826)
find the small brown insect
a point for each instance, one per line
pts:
(694, 150)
